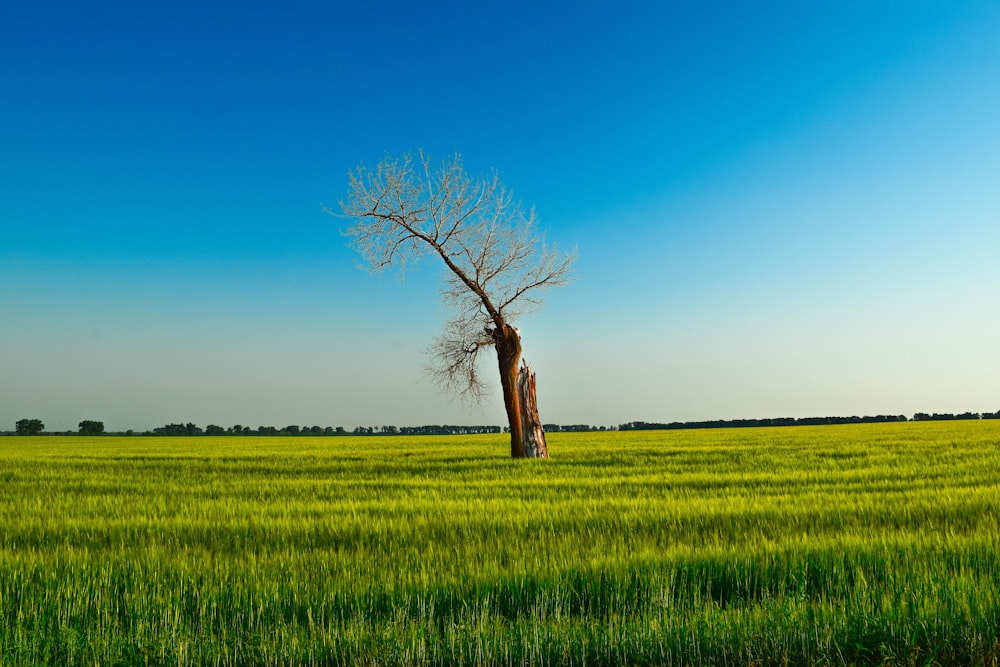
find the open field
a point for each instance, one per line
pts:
(839, 544)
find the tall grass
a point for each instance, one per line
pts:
(864, 544)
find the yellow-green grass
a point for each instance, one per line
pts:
(856, 544)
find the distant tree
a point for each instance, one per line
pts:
(291, 430)
(497, 266)
(212, 429)
(88, 427)
(170, 429)
(28, 427)
(267, 430)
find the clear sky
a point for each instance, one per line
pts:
(780, 208)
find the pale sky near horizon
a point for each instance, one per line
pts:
(781, 209)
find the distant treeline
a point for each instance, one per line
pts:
(91, 427)
(212, 429)
(805, 421)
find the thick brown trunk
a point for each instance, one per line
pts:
(527, 440)
(531, 426)
(508, 344)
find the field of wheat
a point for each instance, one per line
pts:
(861, 544)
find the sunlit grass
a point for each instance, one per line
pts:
(837, 544)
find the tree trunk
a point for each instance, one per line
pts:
(527, 440)
(531, 426)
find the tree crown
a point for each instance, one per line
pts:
(498, 264)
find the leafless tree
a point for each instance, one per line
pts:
(498, 267)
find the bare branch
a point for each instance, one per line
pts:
(454, 359)
(498, 267)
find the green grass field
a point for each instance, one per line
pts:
(829, 545)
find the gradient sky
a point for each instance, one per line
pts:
(780, 208)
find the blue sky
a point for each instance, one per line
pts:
(780, 209)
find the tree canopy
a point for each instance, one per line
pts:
(29, 426)
(90, 427)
